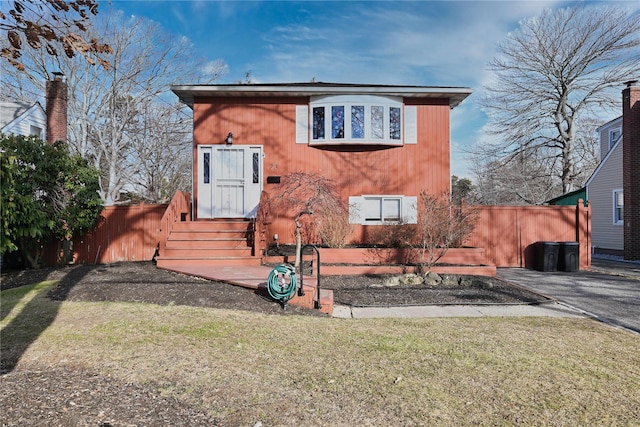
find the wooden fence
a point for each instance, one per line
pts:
(507, 233)
(124, 233)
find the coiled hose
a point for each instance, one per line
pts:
(282, 283)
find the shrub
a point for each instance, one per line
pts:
(47, 194)
(442, 224)
(391, 235)
(334, 228)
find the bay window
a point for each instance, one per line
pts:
(356, 119)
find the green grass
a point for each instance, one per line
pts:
(298, 370)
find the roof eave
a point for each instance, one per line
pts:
(187, 93)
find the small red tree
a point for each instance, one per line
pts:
(303, 193)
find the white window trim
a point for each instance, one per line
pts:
(36, 131)
(615, 192)
(348, 101)
(613, 140)
(408, 209)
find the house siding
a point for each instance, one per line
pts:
(271, 123)
(22, 125)
(605, 234)
(603, 133)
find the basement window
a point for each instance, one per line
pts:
(382, 209)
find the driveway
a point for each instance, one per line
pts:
(610, 292)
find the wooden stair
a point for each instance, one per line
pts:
(224, 242)
(220, 250)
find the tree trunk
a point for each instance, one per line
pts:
(298, 242)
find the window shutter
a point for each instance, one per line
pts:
(410, 124)
(356, 210)
(410, 210)
(302, 124)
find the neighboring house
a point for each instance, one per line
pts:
(605, 192)
(613, 190)
(382, 145)
(20, 118)
(571, 198)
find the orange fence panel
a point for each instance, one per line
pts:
(123, 233)
(509, 233)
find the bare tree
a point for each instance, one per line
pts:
(522, 180)
(554, 70)
(50, 25)
(301, 194)
(124, 119)
(161, 141)
(587, 152)
(442, 224)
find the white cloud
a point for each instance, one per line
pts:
(428, 43)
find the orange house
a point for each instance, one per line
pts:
(380, 144)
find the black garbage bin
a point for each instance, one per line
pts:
(569, 256)
(547, 255)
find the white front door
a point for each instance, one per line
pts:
(229, 181)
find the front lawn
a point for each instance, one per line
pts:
(241, 367)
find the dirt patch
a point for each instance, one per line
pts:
(80, 398)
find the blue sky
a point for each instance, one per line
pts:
(430, 43)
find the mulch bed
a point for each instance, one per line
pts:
(371, 291)
(144, 282)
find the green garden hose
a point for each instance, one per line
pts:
(282, 283)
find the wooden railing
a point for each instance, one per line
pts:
(260, 223)
(179, 209)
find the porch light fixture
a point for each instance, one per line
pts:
(229, 139)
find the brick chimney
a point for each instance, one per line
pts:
(631, 169)
(56, 94)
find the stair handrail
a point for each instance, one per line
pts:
(301, 289)
(260, 225)
(179, 209)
